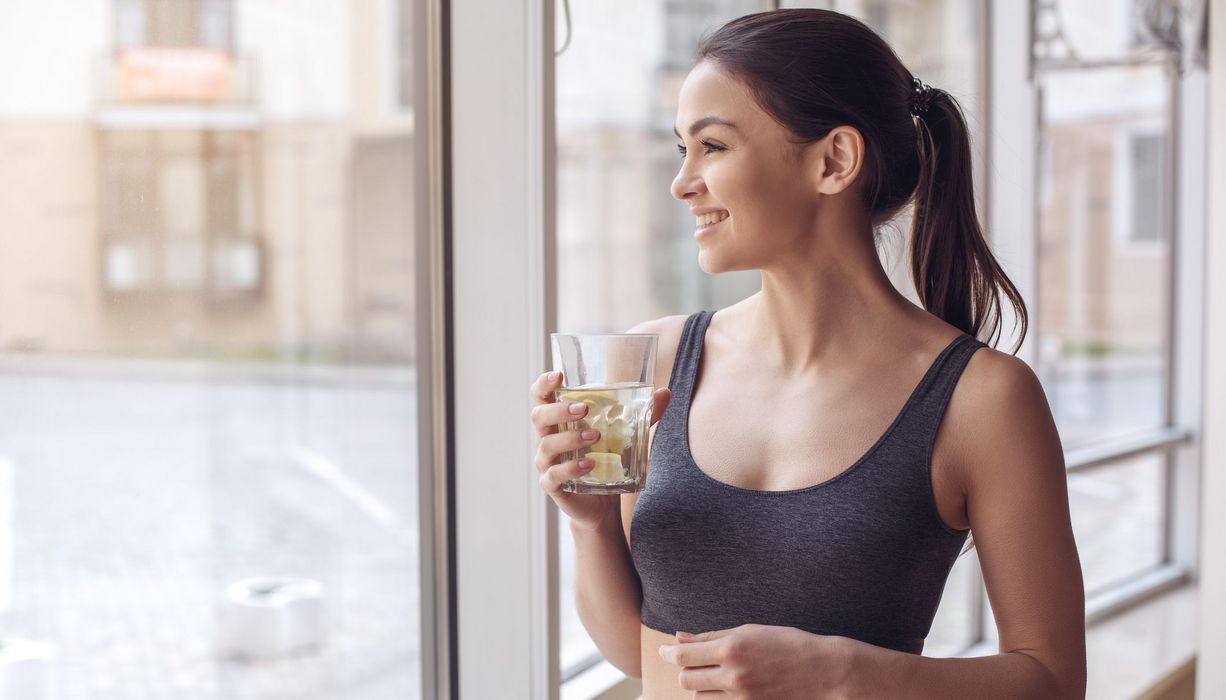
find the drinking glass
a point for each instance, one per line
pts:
(613, 374)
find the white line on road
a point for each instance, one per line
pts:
(327, 471)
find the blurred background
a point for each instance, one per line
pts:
(209, 325)
(206, 348)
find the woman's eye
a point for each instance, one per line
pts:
(709, 147)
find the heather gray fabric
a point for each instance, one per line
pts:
(862, 555)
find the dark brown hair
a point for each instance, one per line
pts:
(812, 70)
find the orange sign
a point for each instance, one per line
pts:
(166, 73)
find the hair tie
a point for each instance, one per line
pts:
(921, 95)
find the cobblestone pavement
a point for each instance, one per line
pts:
(137, 502)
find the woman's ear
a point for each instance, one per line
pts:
(837, 159)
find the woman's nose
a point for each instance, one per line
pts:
(685, 184)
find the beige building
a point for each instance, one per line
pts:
(206, 182)
(1103, 271)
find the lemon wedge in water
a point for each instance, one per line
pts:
(608, 467)
(597, 403)
(617, 437)
(594, 398)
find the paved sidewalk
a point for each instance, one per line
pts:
(137, 502)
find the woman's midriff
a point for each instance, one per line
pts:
(659, 676)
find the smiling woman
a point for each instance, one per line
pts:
(803, 511)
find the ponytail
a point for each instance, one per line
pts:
(954, 270)
(955, 273)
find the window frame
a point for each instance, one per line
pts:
(492, 340)
(431, 228)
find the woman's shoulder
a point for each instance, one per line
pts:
(669, 329)
(997, 394)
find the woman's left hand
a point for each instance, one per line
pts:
(761, 662)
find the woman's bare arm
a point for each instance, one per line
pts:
(608, 595)
(1017, 503)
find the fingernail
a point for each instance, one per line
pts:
(661, 651)
(553, 376)
(577, 408)
(590, 435)
(586, 464)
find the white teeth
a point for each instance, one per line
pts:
(713, 217)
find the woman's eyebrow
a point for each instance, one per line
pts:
(704, 123)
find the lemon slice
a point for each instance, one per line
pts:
(618, 437)
(608, 467)
(594, 398)
(599, 404)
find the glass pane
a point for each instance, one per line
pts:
(1103, 251)
(208, 478)
(1118, 519)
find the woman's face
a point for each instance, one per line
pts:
(739, 164)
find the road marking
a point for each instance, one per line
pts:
(327, 471)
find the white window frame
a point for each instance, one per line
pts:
(501, 239)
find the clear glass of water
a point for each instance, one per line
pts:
(613, 374)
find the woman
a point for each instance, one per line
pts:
(803, 509)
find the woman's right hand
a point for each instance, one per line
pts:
(584, 509)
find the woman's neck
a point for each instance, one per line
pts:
(813, 315)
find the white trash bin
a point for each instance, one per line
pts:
(24, 669)
(272, 617)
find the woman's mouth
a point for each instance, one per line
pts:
(707, 223)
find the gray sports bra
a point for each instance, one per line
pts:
(862, 555)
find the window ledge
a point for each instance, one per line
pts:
(1131, 652)
(602, 682)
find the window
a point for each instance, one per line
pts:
(1146, 159)
(179, 214)
(185, 23)
(209, 444)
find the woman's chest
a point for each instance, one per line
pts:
(775, 440)
(746, 435)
